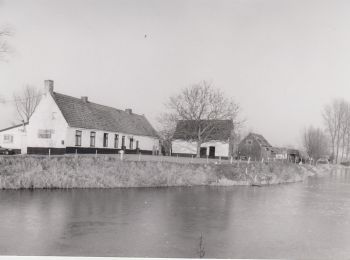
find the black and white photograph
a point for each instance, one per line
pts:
(189, 129)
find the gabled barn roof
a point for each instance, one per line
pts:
(220, 130)
(85, 114)
(260, 139)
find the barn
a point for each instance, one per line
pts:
(65, 124)
(255, 147)
(218, 143)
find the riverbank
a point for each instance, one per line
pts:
(28, 172)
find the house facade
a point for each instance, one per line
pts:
(218, 143)
(14, 138)
(64, 124)
(279, 153)
(255, 147)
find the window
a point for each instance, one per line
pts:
(123, 142)
(92, 139)
(137, 145)
(105, 140)
(116, 140)
(45, 133)
(131, 144)
(8, 138)
(78, 138)
(249, 142)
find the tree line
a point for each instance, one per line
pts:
(336, 117)
(334, 140)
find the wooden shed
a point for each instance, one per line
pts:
(255, 147)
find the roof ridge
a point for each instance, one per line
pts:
(119, 110)
(14, 126)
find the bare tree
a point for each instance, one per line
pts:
(202, 105)
(27, 101)
(345, 129)
(166, 131)
(334, 115)
(346, 137)
(4, 47)
(315, 143)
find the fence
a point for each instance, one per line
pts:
(154, 158)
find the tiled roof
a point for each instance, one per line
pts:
(261, 140)
(278, 150)
(90, 115)
(187, 129)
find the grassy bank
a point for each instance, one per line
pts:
(109, 171)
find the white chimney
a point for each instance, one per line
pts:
(48, 86)
(84, 99)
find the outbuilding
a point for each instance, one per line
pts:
(218, 143)
(14, 138)
(255, 147)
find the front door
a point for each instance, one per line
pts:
(212, 151)
(203, 152)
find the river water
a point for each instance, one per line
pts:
(301, 220)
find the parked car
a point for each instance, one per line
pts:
(6, 151)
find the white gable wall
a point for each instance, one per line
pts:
(47, 117)
(186, 147)
(17, 138)
(147, 142)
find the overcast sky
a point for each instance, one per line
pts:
(281, 60)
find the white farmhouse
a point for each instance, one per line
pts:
(219, 142)
(64, 124)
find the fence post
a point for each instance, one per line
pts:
(207, 159)
(76, 152)
(49, 153)
(192, 158)
(231, 159)
(96, 153)
(121, 155)
(177, 158)
(139, 156)
(249, 160)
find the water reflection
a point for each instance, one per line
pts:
(303, 220)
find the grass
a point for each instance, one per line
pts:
(108, 171)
